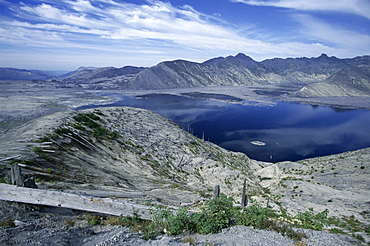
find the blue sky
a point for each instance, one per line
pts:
(67, 34)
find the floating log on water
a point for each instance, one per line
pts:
(73, 201)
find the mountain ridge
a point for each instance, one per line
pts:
(241, 70)
(321, 76)
(8, 73)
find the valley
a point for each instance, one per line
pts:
(132, 150)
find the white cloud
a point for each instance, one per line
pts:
(341, 38)
(358, 7)
(123, 29)
(177, 27)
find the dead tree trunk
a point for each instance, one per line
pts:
(268, 202)
(244, 196)
(16, 174)
(216, 192)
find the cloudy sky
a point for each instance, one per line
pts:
(67, 34)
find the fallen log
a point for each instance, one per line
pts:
(101, 193)
(10, 158)
(53, 198)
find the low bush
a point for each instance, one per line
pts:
(310, 220)
(219, 213)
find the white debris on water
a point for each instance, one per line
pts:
(259, 143)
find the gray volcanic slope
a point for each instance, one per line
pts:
(336, 75)
(134, 150)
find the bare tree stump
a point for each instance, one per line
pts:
(30, 183)
(268, 202)
(244, 202)
(16, 174)
(216, 192)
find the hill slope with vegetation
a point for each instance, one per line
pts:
(133, 150)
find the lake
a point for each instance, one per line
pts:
(277, 132)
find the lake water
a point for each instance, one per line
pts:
(284, 131)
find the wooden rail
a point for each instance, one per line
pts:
(74, 201)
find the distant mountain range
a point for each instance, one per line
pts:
(316, 77)
(23, 74)
(321, 76)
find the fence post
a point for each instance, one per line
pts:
(216, 192)
(244, 202)
(16, 174)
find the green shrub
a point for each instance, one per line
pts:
(61, 131)
(100, 132)
(309, 220)
(358, 237)
(179, 223)
(88, 119)
(113, 135)
(133, 221)
(336, 231)
(36, 149)
(151, 231)
(256, 216)
(42, 140)
(215, 216)
(78, 126)
(94, 219)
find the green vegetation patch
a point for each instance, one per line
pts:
(7, 223)
(2, 180)
(88, 119)
(310, 220)
(93, 121)
(217, 214)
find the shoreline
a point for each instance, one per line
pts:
(248, 94)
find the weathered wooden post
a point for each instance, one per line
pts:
(244, 196)
(216, 192)
(16, 174)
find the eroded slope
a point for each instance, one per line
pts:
(127, 149)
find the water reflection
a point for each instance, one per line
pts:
(291, 131)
